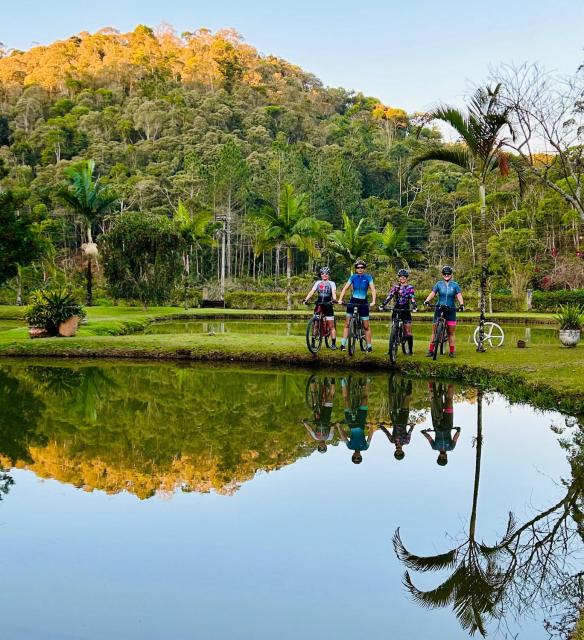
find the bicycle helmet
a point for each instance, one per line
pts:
(360, 263)
(446, 270)
(403, 272)
(325, 271)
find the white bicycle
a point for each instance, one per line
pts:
(494, 335)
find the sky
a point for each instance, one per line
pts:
(409, 55)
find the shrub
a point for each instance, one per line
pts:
(51, 307)
(256, 300)
(552, 300)
(570, 316)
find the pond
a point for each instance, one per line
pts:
(531, 335)
(196, 501)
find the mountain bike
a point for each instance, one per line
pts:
(494, 335)
(397, 334)
(441, 331)
(317, 329)
(316, 392)
(356, 330)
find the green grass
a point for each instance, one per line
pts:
(549, 373)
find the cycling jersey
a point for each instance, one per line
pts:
(360, 284)
(326, 290)
(404, 294)
(447, 292)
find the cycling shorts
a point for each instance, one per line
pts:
(449, 315)
(327, 309)
(362, 305)
(405, 314)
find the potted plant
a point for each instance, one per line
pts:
(570, 318)
(54, 312)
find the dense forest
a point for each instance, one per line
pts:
(195, 144)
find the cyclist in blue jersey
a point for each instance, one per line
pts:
(360, 283)
(448, 292)
(442, 412)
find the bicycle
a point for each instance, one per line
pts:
(494, 335)
(356, 330)
(441, 331)
(317, 329)
(316, 392)
(397, 334)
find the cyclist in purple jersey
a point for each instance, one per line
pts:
(405, 299)
(447, 291)
(326, 291)
(360, 283)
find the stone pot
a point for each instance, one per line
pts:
(569, 337)
(69, 327)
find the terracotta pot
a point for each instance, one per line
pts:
(37, 332)
(69, 327)
(569, 337)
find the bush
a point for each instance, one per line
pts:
(255, 300)
(570, 317)
(551, 301)
(51, 307)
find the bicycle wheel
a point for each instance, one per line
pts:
(312, 392)
(353, 328)
(493, 335)
(313, 335)
(438, 338)
(393, 342)
(362, 339)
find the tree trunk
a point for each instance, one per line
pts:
(479, 450)
(222, 285)
(483, 251)
(288, 278)
(89, 296)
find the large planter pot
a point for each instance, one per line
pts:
(69, 327)
(569, 337)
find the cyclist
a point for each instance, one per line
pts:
(323, 431)
(360, 282)
(442, 412)
(405, 296)
(447, 291)
(356, 420)
(327, 294)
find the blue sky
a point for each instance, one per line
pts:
(410, 55)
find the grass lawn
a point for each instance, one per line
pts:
(550, 372)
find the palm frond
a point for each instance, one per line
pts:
(457, 154)
(423, 563)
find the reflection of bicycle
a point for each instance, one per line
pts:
(397, 334)
(356, 330)
(357, 391)
(317, 392)
(494, 335)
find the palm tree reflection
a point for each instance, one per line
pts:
(529, 565)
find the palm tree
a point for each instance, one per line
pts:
(394, 247)
(476, 587)
(90, 201)
(352, 242)
(479, 153)
(289, 226)
(194, 230)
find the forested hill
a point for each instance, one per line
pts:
(156, 112)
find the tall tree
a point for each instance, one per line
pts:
(90, 201)
(290, 226)
(351, 242)
(479, 153)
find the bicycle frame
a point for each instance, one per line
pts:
(440, 331)
(356, 330)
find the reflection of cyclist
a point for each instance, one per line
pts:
(442, 412)
(356, 409)
(326, 291)
(360, 283)
(447, 291)
(322, 398)
(404, 295)
(401, 430)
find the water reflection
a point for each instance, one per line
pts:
(148, 430)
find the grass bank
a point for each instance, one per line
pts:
(546, 375)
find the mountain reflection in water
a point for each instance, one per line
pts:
(149, 430)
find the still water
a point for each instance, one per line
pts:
(188, 501)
